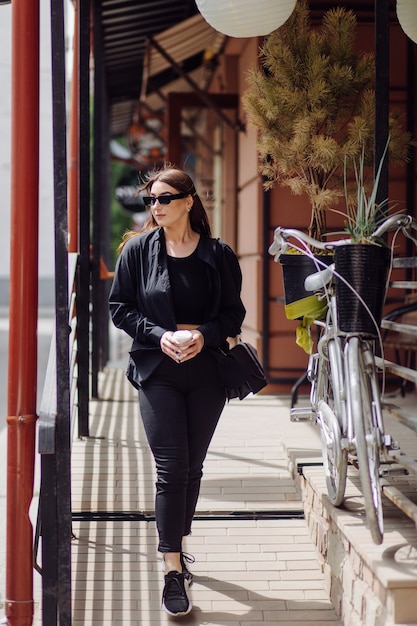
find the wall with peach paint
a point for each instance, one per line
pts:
(243, 217)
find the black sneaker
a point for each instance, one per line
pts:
(184, 558)
(187, 558)
(174, 597)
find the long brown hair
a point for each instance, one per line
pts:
(180, 181)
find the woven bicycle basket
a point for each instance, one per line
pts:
(295, 269)
(364, 267)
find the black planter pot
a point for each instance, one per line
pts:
(295, 269)
(364, 267)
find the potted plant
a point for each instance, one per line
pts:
(362, 264)
(313, 104)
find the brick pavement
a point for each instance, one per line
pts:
(247, 571)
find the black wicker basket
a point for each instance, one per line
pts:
(364, 267)
(295, 269)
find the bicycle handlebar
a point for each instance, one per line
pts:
(406, 223)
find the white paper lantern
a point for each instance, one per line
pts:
(407, 17)
(246, 18)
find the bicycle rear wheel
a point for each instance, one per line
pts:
(365, 404)
(331, 420)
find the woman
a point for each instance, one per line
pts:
(173, 276)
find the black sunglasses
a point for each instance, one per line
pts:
(151, 200)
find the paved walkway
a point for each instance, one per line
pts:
(255, 562)
(254, 566)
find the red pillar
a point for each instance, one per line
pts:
(21, 420)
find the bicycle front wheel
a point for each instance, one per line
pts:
(364, 405)
(331, 420)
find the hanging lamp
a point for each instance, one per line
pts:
(246, 18)
(407, 17)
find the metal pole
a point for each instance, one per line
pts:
(22, 374)
(382, 28)
(74, 143)
(99, 185)
(63, 426)
(83, 286)
(266, 260)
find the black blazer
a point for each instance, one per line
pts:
(141, 300)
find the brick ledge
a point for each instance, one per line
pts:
(369, 585)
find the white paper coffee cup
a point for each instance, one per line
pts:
(182, 336)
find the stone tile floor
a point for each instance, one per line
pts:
(250, 568)
(257, 566)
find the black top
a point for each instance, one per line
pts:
(188, 278)
(141, 299)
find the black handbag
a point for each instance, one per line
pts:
(240, 371)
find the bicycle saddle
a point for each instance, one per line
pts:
(319, 279)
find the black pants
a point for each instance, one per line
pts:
(180, 406)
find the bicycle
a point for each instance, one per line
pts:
(345, 394)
